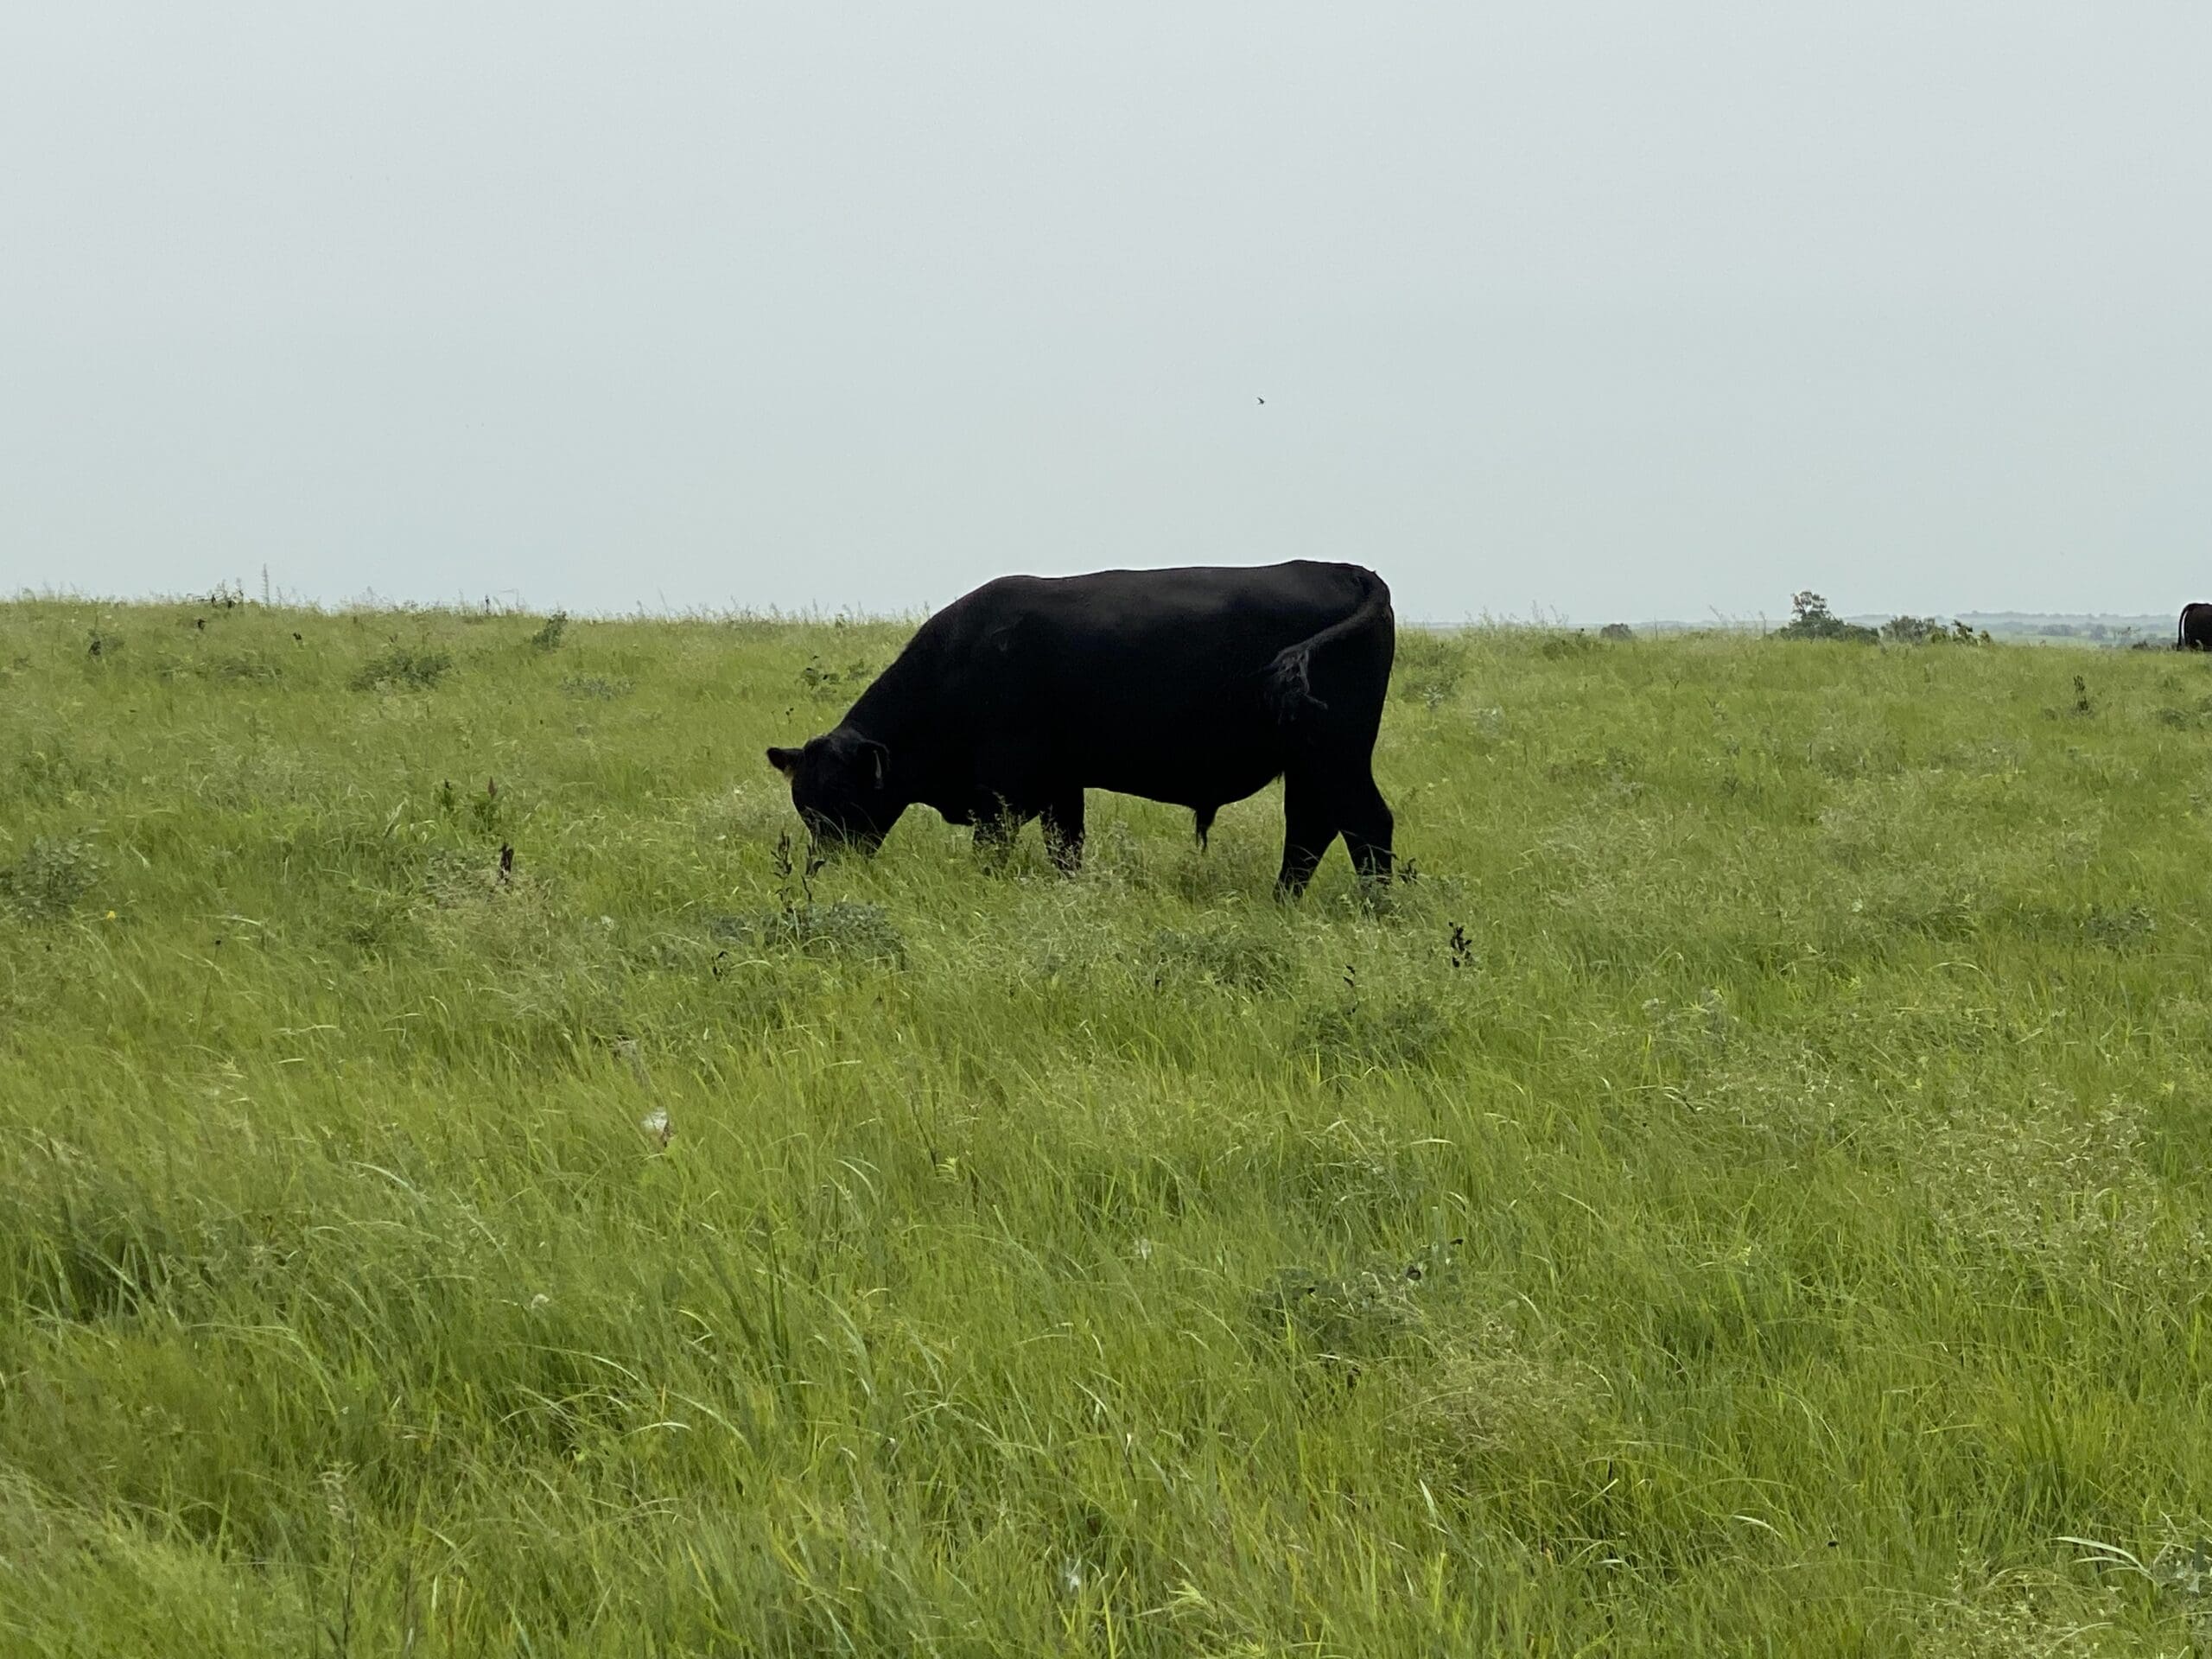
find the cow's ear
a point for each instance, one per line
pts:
(784, 761)
(880, 754)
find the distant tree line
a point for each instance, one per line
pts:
(1811, 619)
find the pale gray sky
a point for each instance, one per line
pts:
(1614, 309)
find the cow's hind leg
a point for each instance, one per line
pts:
(1063, 831)
(1365, 818)
(1308, 827)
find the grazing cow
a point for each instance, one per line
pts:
(2195, 627)
(1197, 686)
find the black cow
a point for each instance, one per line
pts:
(1196, 686)
(2195, 627)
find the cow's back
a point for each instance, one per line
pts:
(1154, 682)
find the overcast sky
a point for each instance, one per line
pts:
(1614, 310)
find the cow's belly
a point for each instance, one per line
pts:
(1201, 782)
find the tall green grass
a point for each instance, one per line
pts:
(1747, 1193)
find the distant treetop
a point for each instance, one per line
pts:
(1810, 618)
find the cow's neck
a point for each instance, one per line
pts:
(885, 712)
(898, 711)
(903, 711)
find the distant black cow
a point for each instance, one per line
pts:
(2195, 627)
(1196, 686)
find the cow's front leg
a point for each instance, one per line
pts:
(1008, 795)
(1063, 831)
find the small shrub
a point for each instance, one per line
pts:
(1558, 646)
(407, 667)
(1617, 632)
(548, 636)
(45, 884)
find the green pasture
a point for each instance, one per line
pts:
(1749, 1191)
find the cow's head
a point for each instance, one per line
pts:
(841, 784)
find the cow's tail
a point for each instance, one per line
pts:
(1288, 680)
